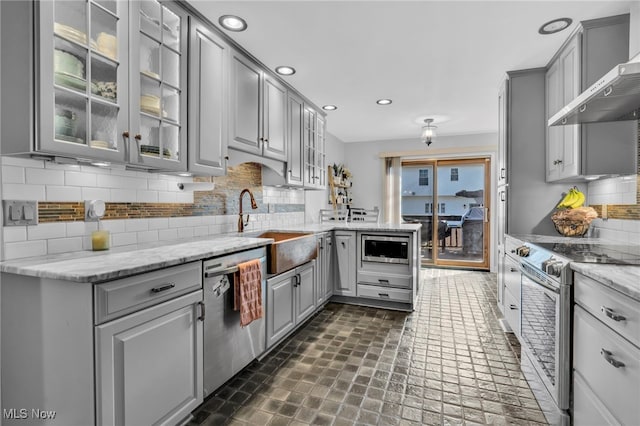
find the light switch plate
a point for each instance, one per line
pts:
(19, 212)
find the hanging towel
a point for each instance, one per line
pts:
(248, 291)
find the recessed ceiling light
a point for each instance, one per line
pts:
(285, 70)
(329, 107)
(233, 23)
(383, 101)
(555, 26)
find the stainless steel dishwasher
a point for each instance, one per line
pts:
(228, 347)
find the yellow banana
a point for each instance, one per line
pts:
(579, 199)
(568, 199)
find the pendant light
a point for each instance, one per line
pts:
(428, 131)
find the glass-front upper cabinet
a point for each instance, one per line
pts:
(83, 78)
(159, 82)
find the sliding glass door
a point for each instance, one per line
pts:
(450, 199)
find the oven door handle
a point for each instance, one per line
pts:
(541, 284)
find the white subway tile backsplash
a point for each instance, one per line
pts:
(168, 234)
(45, 231)
(166, 197)
(113, 225)
(147, 236)
(134, 225)
(157, 184)
(12, 174)
(14, 191)
(159, 223)
(63, 193)
(116, 181)
(77, 229)
(96, 194)
(178, 222)
(144, 196)
(201, 231)
(124, 196)
(185, 232)
(123, 239)
(22, 162)
(25, 249)
(44, 176)
(76, 178)
(14, 234)
(64, 245)
(184, 197)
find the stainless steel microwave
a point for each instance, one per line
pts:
(385, 249)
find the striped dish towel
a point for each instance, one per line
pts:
(248, 291)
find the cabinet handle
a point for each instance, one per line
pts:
(564, 121)
(202, 311)
(162, 288)
(556, 162)
(138, 137)
(383, 294)
(503, 195)
(342, 242)
(125, 134)
(513, 269)
(608, 90)
(608, 356)
(382, 281)
(583, 108)
(513, 307)
(609, 312)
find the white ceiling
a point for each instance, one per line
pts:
(438, 59)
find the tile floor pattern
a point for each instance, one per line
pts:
(447, 363)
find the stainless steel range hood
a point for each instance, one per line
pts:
(614, 97)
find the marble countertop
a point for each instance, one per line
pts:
(623, 278)
(90, 266)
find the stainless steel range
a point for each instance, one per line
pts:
(546, 314)
(545, 329)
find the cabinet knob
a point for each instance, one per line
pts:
(125, 134)
(138, 137)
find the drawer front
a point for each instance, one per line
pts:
(596, 349)
(588, 410)
(384, 293)
(390, 280)
(512, 277)
(114, 299)
(512, 312)
(611, 307)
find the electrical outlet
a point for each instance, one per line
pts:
(18, 212)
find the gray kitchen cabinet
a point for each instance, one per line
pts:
(258, 105)
(345, 264)
(511, 291)
(208, 100)
(111, 82)
(606, 355)
(149, 365)
(315, 170)
(324, 268)
(295, 131)
(127, 351)
(578, 150)
(524, 197)
(290, 300)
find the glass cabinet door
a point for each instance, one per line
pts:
(82, 112)
(158, 90)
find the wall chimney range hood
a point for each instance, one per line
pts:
(614, 97)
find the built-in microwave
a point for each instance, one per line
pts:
(385, 249)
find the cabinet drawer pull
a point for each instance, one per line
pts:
(138, 137)
(162, 288)
(608, 356)
(513, 307)
(583, 108)
(383, 294)
(202, 311)
(608, 90)
(125, 134)
(513, 270)
(383, 281)
(609, 312)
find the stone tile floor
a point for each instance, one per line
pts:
(447, 363)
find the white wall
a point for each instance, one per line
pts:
(316, 200)
(363, 159)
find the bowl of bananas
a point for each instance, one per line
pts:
(572, 218)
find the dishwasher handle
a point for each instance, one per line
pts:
(219, 272)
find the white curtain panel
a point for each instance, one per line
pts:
(392, 189)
